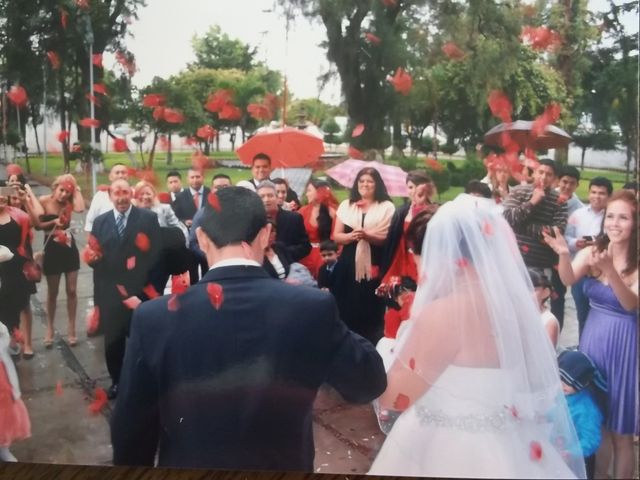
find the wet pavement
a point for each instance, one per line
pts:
(58, 385)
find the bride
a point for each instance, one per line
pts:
(472, 377)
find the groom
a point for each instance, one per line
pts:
(225, 375)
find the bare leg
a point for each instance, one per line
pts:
(26, 318)
(624, 459)
(53, 283)
(604, 455)
(71, 283)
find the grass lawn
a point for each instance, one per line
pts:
(182, 161)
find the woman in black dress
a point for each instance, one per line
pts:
(361, 227)
(60, 252)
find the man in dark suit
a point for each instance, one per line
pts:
(225, 375)
(185, 206)
(129, 243)
(290, 232)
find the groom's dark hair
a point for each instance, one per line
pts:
(233, 215)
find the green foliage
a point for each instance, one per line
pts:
(331, 128)
(470, 170)
(442, 179)
(407, 163)
(216, 50)
(312, 110)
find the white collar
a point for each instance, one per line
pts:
(116, 213)
(235, 262)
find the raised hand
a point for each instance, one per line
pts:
(601, 260)
(557, 243)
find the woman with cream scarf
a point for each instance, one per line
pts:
(361, 227)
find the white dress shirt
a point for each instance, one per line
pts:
(235, 262)
(582, 222)
(100, 203)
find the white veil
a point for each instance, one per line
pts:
(474, 308)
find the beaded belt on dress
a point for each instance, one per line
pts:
(469, 423)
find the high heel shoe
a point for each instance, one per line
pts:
(48, 343)
(73, 341)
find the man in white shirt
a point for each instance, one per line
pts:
(583, 226)
(260, 171)
(101, 203)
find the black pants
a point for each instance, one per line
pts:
(590, 466)
(115, 319)
(197, 268)
(557, 298)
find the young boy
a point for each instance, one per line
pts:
(329, 254)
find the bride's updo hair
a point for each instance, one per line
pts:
(417, 228)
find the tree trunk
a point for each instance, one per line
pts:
(152, 152)
(35, 133)
(397, 150)
(562, 156)
(169, 150)
(584, 151)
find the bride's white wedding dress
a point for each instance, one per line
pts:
(472, 434)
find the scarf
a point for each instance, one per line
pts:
(376, 221)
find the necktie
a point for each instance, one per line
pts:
(120, 225)
(196, 200)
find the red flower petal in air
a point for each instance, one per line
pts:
(127, 61)
(206, 132)
(142, 242)
(131, 262)
(216, 296)
(31, 271)
(524, 248)
(513, 411)
(63, 136)
(213, 200)
(17, 335)
(93, 99)
(412, 363)
(96, 59)
(83, 4)
(89, 122)
(164, 197)
(173, 304)
(172, 115)
(258, 111)
(54, 59)
(357, 130)
(64, 18)
(487, 228)
(150, 291)
(462, 262)
(59, 391)
(535, 451)
(401, 81)
(218, 100)
(230, 112)
(389, 3)
(153, 100)
(500, 105)
(353, 152)
(452, 51)
(562, 199)
(433, 164)
(372, 39)
(17, 95)
(122, 290)
(132, 302)
(100, 88)
(99, 401)
(199, 161)
(401, 402)
(93, 320)
(60, 237)
(13, 169)
(120, 145)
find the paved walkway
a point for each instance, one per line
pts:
(347, 437)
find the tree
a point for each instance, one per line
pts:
(216, 50)
(594, 139)
(331, 129)
(313, 110)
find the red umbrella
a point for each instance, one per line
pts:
(394, 178)
(520, 133)
(287, 147)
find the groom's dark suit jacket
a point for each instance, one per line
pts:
(233, 388)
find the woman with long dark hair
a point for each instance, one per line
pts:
(319, 214)
(361, 227)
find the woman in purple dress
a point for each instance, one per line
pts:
(611, 331)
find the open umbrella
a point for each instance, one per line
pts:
(287, 147)
(393, 177)
(520, 132)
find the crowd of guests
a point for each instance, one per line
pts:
(143, 243)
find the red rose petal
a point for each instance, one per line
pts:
(357, 130)
(212, 198)
(89, 122)
(216, 295)
(142, 242)
(173, 304)
(401, 81)
(524, 248)
(59, 388)
(122, 290)
(132, 302)
(412, 363)
(535, 451)
(487, 228)
(93, 320)
(99, 401)
(372, 38)
(401, 402)
(150, 291)
(462, 262)
(353, 152)
(131, 263)
(153, 100)
(17, 335)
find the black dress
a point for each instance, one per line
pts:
(59, 257)
(15, 289)
(359, 307)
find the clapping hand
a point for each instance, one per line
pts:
(557, 242)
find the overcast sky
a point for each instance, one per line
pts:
(162, 39)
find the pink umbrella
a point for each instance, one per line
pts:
(394, 177)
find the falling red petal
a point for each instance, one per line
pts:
(212, 198)
(257, 111)
(59, 391)
(541, 38)
(93, 320)
(54, 59)
(164, 197)
(462, 262)
(13, 169)
(127, 62)
(562, 198)
(64, 18)
(60, 236)
(93, 99)
(372, 39)
(412, 363)
(142, 242)
(17, 335)
(353, 152)
(230, 112)
(132, 302)
(401, 81)
(487, 228)
(31, 271)
(131, 262)
(500, 105)
(535, 451)
(83, 4)
(17, 95)
(63, 136)
(89, 122)
(401, 402)
(206, 132)
(358, 130)
(99, 402)
(172, 115)
(451, 50)
(122, 290)
(199, 161)
(216, 296)
(103, 188)
(524, 248)
(173, 304)
(120, 145)
(389, 3)
(153, 100)
(218, 100)
(433, 164)
(96, 59)
(100, 88)
(150, 291)
(163, 141)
